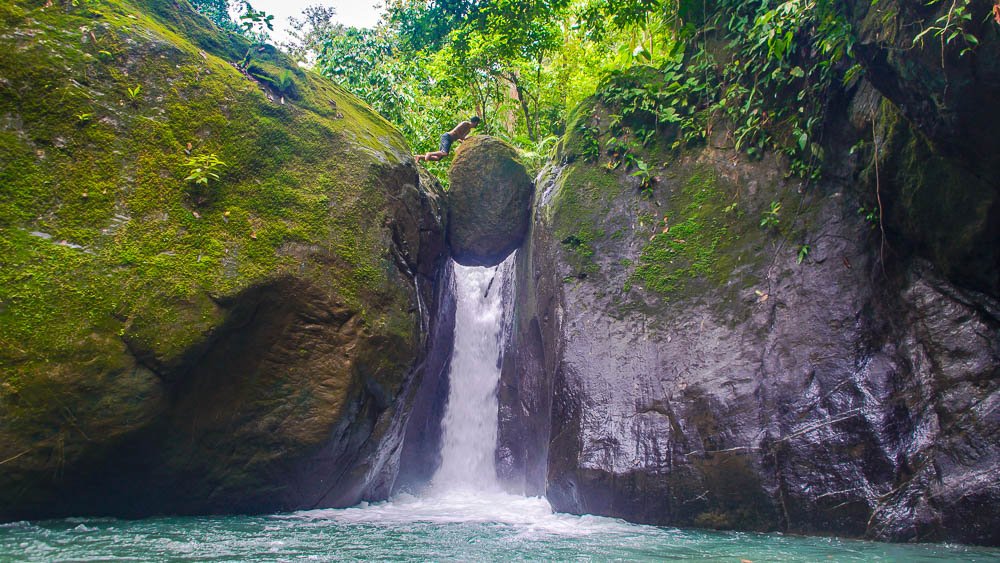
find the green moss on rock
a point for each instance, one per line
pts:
(489, 202)
(109, 257)
(691, 246)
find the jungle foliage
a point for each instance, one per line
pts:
(766, 66)
(237, 16)
(674, 67)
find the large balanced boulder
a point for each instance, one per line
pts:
(216, 270)
(489, 202)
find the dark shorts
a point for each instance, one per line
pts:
(445, 143)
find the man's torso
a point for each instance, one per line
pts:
(460, 131)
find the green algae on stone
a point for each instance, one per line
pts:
(689, 248)
(109, 257)
(115, 182)
(578, 211)
(489, 201)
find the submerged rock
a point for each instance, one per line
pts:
(489, 202)
(249, 343)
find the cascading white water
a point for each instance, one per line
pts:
(469, 426)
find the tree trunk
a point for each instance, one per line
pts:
(524, 106)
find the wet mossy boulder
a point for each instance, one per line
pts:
(216, 270)
(489, 202)
(732, 347)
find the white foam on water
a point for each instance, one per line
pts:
(530, 516)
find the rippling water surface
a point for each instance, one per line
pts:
(452, 526)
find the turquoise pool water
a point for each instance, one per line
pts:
(450, 527)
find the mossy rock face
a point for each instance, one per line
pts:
(937, 131)
(489, 202)
(208, 339)
(716, 343)
(937, 207)
(947, 85)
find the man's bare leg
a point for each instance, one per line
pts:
(431, 156)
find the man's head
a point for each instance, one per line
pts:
(474, 120)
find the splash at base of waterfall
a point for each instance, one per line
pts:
(469, 506)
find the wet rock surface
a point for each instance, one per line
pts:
(827, 395)
(489, 202)
(421, 449)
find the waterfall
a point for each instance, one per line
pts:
(469, 426)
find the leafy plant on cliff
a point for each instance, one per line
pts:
(803, 253)
(869, 214)
(772, 216)
(590, 144)
(951, 26)
(202, 169)
(134, 93)
(646, 179)
(617, 151)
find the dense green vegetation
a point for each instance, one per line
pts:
(764, 66)
(522, 66)
(761, 70)
(622, 88)
(237, 16)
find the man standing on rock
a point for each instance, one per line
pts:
(459, 133)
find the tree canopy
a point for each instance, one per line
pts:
(764, 65)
